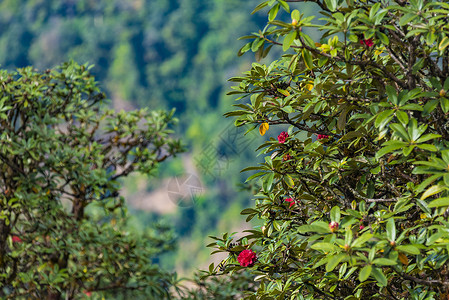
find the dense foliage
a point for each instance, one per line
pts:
(62, 221)
(354, 194)
(160, 54)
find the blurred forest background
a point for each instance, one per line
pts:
(158, 54)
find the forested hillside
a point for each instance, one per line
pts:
(156, 54)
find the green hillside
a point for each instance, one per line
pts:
(156, 54)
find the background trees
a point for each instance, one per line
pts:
(354, 192)
(63, 222)
(175, 54)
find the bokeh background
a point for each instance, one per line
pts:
(159, 54)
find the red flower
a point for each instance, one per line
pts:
(333, 226)
(292, 202)
(282, 137)
(367, 42)
(87, 293)
(286, 157)
(16, 239)
(247, 258)
(322, 136)
(361, 227)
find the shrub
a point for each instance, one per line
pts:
(365, 115)
(62, 222)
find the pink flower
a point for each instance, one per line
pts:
(286, 157)
(333, 226)
(247, 258)
(16, 239)
(361, 227)
(282, 137)
(292, 202)
(322, 136)
(367, 42)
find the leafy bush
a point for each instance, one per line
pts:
(62, 222)
(354, 193)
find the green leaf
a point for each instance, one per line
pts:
(400, 131)
(289, 181)
(365, 272)
(418, 65)
(341, 123)
(439, 202)
(410, 249)
(295, 15)
(446, 84)
(334, 261)
(326, 247)
(397, 145)
(259, 7)
(430, 106)
(255, 176)
(374, 10)
(391, 230)
(402, 117)
(273, 12)
(284, 5)
(317, 226)
(428, 147)
(434, 189)
(384, 262)
(392, 94)
(256, 44)
(268, 183)
(335, 214)
(362, 239)
(248, 211)
(331, 4)
(444, 103)
(288, 40)
(383, 38)
(383, 118)
(443, 44)
(429, 136)
(307, 59)
(407, 18)
(407, 150)
(379, 276)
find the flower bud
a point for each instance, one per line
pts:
(442, 93)
(294, 22)
(333, 226)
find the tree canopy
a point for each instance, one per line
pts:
(62, 221)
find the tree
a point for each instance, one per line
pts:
(63, 222)
(353, 192)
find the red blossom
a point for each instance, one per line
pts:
(333, 226)
(286, 157)
(247, 258)
(361, 227)
(16, 239)
(282, 137)
(322, 136)
(292, 202)
(367, 42)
